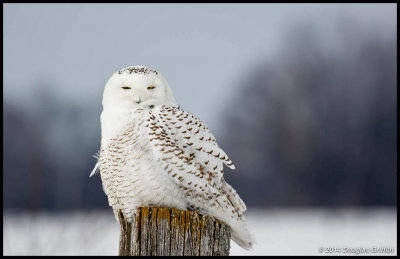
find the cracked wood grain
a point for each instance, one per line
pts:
(167, 232)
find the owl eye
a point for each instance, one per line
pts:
(150, 87)
(126, 87)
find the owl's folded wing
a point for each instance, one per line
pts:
(189, 152)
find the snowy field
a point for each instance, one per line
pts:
(278, 232)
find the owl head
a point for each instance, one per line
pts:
(137, 87)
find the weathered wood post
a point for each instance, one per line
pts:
(164, 231)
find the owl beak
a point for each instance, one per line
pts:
(138, 101)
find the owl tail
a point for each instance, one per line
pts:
(242, 235)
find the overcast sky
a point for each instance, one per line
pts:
(203, 50)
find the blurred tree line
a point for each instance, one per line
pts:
(315, 127)
(318, 126)
(47, 152)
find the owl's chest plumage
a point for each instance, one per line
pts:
(131, 174)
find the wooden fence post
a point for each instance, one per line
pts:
(164, 231)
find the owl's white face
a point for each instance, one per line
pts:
(136, 87)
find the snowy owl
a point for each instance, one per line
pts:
(155, 154)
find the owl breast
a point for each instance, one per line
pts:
(131, 175)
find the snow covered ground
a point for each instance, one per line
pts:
(278, 232)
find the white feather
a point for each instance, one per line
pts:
(97, 165)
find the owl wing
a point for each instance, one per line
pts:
(189, 152)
